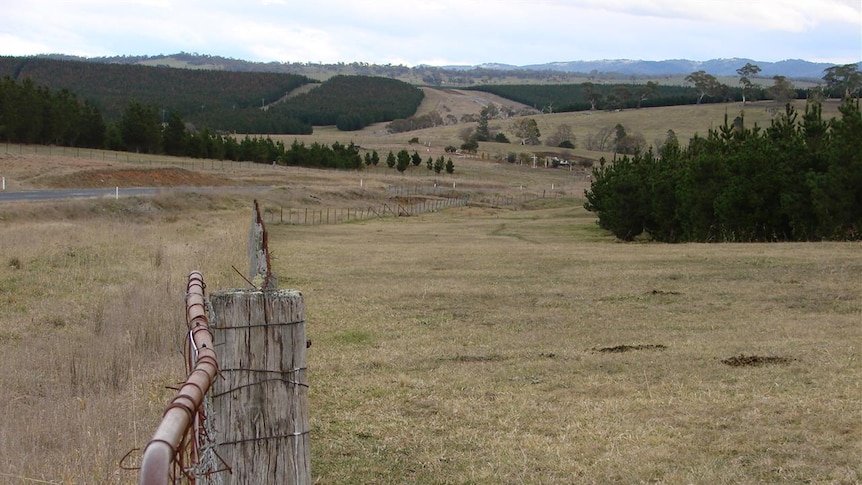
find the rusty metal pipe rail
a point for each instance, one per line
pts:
(163, 448)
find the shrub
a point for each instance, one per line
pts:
(470, 146)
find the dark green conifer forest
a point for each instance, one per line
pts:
(800, 179)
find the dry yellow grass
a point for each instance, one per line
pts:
(456, 347)
(91, 325)
(476, 345)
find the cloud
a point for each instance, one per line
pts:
(764, 15)
(284, 43)
(439, 31)
(12, 45)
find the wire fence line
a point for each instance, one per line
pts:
(337, 215)
(400, 208)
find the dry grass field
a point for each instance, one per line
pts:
(522, 346)
(483, 344)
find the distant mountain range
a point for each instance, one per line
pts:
(608, 69)
(791, 68)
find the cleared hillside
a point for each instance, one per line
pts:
(652, 123)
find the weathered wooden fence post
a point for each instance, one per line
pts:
(260, 402)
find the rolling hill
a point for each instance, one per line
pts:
(614, 69)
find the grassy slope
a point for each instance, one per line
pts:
(652, 123)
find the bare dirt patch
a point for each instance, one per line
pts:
(475, 358)
(756, 360)
(155, 177)
(628, 348)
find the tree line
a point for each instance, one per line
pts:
(561, 98)
(35, 114)
(839, 81)
(797, 180)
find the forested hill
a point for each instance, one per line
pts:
(619, 70)
(250, 102)
(191, 93)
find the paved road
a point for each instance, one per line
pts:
(58, 194)
(34, 195)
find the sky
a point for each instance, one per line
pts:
(439, 32)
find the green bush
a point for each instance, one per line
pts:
(470, 146)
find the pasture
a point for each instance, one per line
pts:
(522, 346)
(652, 123)
(481, 344)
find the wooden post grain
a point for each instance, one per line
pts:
(260, 403)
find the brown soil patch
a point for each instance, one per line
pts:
(628, 348)
(755, 360)
(155, 177)
(475, 358)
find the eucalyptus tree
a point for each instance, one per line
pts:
(746, 72)
(645, 91)
(846, 77)
(527, 130)
(705, 83)
(782, 90)
(591, 95)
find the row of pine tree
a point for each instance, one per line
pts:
(800, 179)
